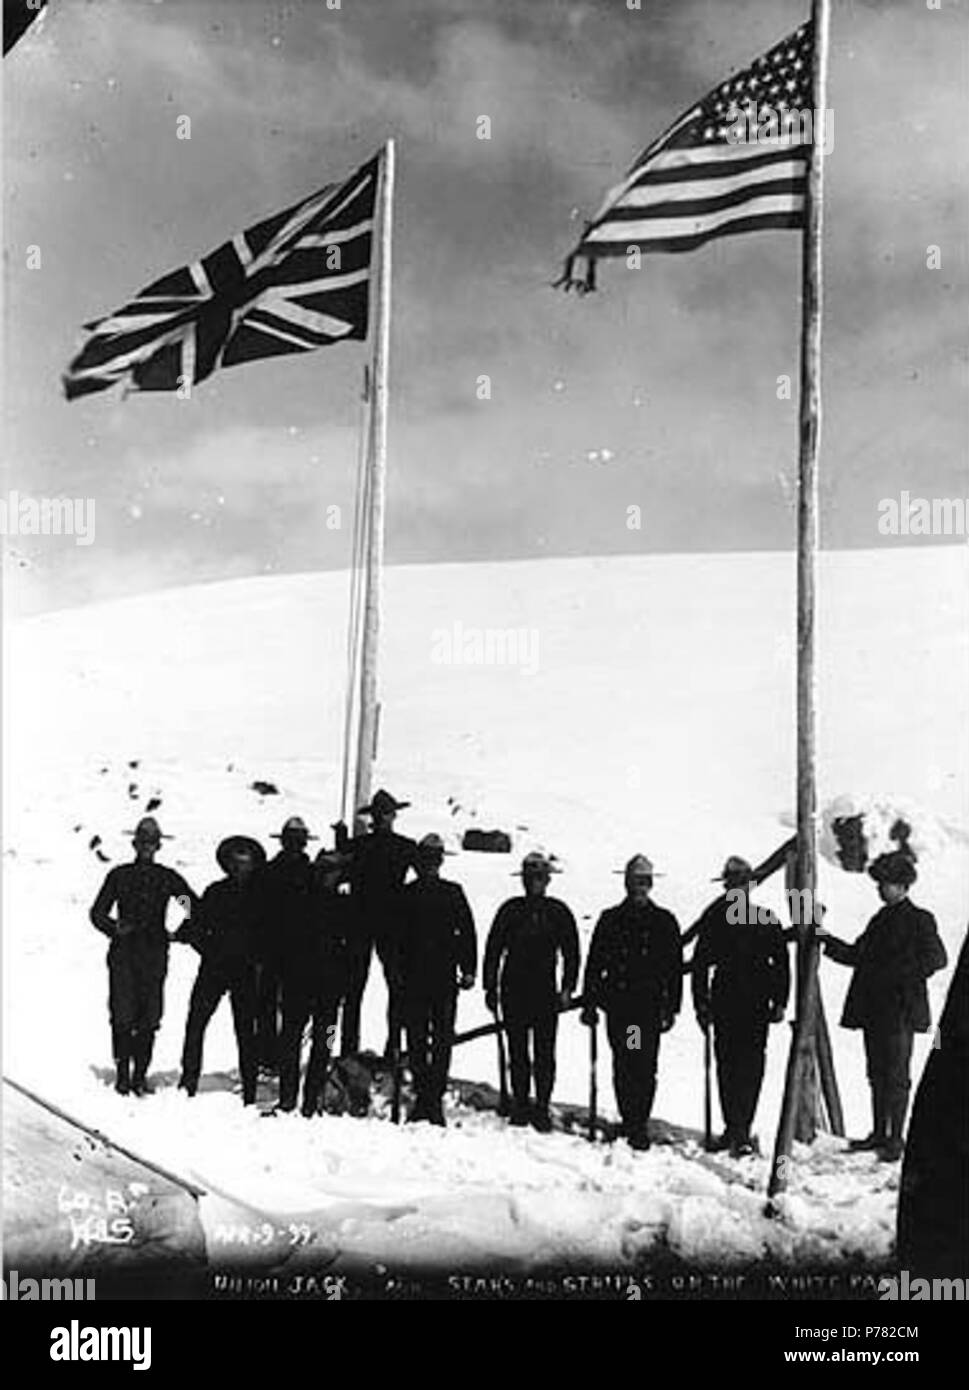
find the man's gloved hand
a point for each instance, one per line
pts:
(565, 998)
(589, 1016)
(491, 1002)
(124, 928)
(184, 934)
(777, 1014)
(465, 981)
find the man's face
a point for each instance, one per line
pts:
(738, 886)
(384, 820)
(294, 840)
(639, 885)
(429, 865)
(535, 881)
(146, 847)
(241, 864)
(892, 892)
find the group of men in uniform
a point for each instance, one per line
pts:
(291, 941)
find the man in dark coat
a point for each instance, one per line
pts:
(223, 931)
(887, 998)
(439, 956)
(284, 890)
(380, 862)
(314, 985)
(635, 974)
(742, 947)
(529, 938)
(130, 910)
(933, 1200)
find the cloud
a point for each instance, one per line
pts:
(97, 178)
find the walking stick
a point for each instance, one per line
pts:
(707, 1093)
(593, 1079)
(504, 1108)
(397, 1055)
(395, 1098)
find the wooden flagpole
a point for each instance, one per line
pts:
(376, 484)
(802, 1045)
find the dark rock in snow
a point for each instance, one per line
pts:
(487, 841)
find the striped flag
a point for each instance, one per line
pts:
(295, 282)
(735, 162)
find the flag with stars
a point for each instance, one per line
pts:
(295, 282)
(735, 162)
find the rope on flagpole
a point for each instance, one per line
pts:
(354, 619)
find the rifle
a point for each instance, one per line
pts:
(593, 1079)
(707, 1096)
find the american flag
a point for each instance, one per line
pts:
(718, 169)
(295, 282)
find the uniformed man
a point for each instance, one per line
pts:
(933, 1190)
(531, 967)
(284, 889)
(314, 986)
(223, 931)
(439, 957)
(131, 910)
(742, 948)
(887, 998)
(379, 865)
(634, 973)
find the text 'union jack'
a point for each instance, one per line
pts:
(295, 282)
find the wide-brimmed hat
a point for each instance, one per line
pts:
(382, 801)
(148, 829)
(295, 823)
(237, 844)
(642, 864)
(536, 862)
(896, 867)
(735, 870)
(433, 844)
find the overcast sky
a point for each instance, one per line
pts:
(659, 391)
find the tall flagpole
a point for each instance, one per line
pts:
(801, 1058)
(375, 490)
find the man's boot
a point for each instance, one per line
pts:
(879, 1134)
(122, 1081)
(143, 1047)
(894, 1146)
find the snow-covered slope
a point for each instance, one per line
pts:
(653, 710)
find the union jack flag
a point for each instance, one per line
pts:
(297, 281)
